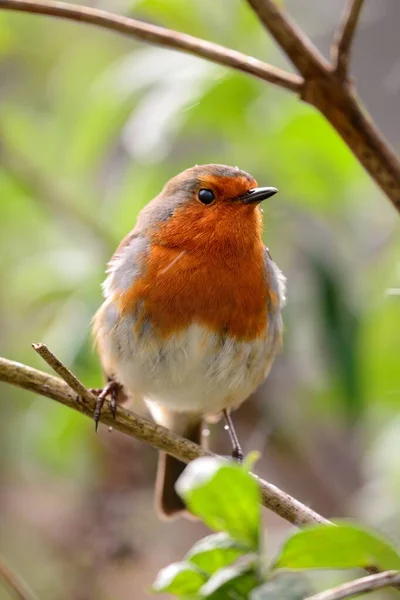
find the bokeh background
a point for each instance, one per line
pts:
(91, 126)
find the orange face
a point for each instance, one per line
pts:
(227, 188)
(211, 205)
(206, 260)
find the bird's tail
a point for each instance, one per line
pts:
(168, 503)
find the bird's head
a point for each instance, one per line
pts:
(206, 204)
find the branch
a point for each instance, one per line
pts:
(292, 40)
(322, 87)
(72, 393)
(159, 35)
(14, 582)
(76, 396)
(344, 37)
(358, 586)
(334, 97)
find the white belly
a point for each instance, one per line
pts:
(194, 371)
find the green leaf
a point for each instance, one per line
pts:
(344, 546)
(179, 578)
(283, 586)
(225, 496)
(231, 582)
(215, 552)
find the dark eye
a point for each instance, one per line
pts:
(206, 196)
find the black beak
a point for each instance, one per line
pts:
(258, 195)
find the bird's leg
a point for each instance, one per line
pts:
(111, 388)
(237, 452)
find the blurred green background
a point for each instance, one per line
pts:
(92, 124)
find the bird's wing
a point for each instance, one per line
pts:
(122, 271)
(125, 265)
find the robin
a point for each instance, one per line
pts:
(191, 320)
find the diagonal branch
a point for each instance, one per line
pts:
(128, 422)
(322, 88)
(334, 97)
(63, 371)
(344, 36)
(159, 35)
(72, 393)
(359, 586)
(293, 41)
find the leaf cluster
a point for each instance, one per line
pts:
(232, 564)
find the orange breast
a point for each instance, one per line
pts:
(217, 281)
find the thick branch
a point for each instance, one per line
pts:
(344, 37)
(322, 88)
(293, 41)
(74, 395)
(334, 96)
(159, 35)
(342, 109)
(127, 422)
(359, 586)
(14, 582)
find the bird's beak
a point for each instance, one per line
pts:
(257, 195)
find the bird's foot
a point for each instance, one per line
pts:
(110, 389)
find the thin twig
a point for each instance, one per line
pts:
(63, 372)
(284, 505)
(344, 36)
(76, 396)
(359, 586)
(14, 582)
(159, 35)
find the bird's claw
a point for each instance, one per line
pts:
(111, 389)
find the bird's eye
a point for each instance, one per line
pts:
(206, 196)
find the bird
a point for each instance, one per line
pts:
(192, 316)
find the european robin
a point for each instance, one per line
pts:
(191, 320)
